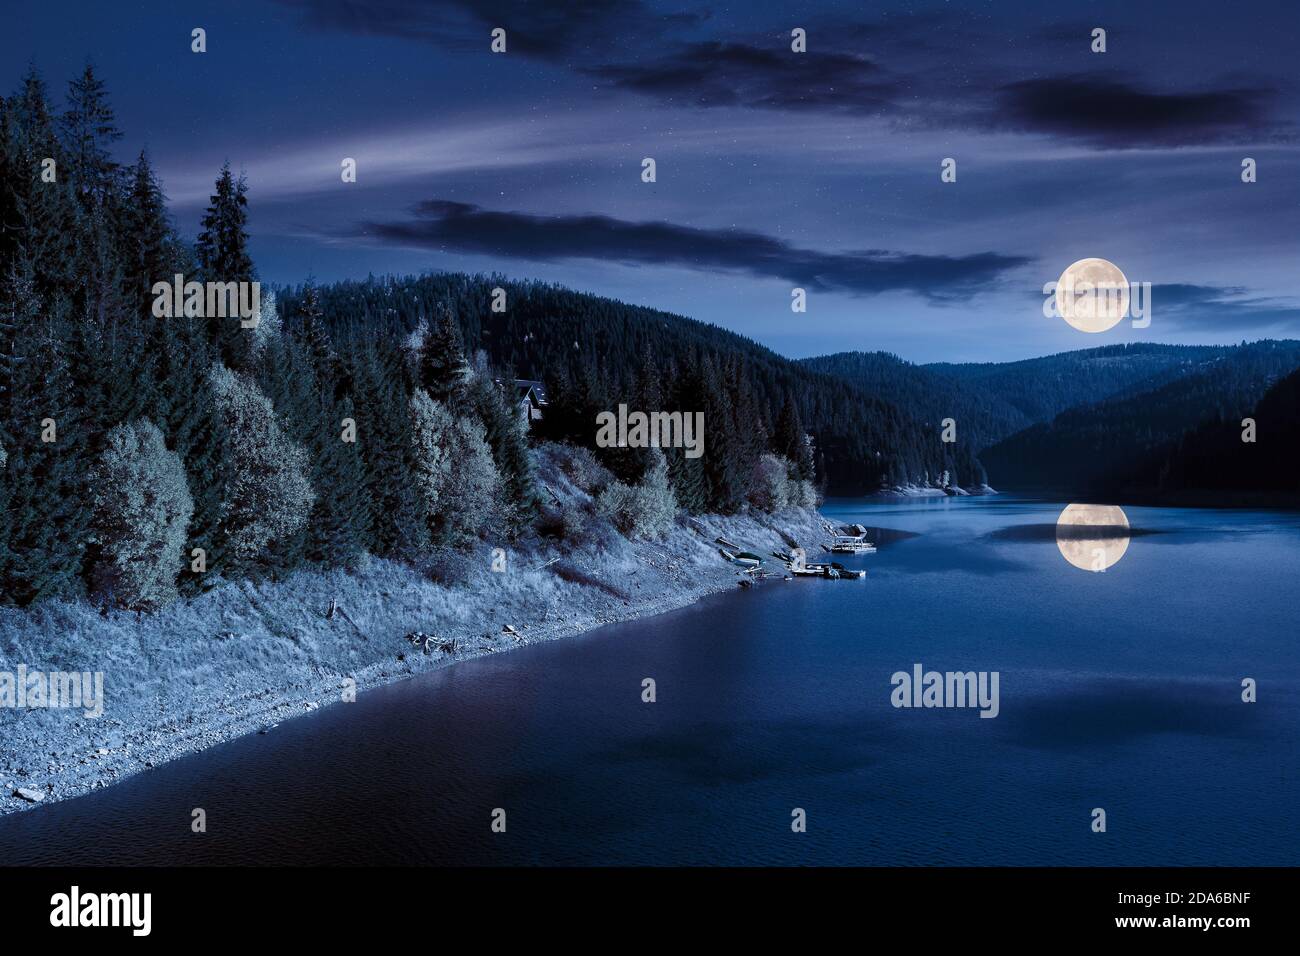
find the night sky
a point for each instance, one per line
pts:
(775, 169)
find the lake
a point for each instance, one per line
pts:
(1119, 690)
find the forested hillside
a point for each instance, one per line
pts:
(982, 414)
(594, 353)
(1215, 458)
(1042, 388)
(143, 457)
(1115, 444)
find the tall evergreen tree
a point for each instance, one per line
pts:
(443, 370)
(222, 250)
(148, 247)
(506, 432)
(789, 440)
(45, 524)
(90, 129)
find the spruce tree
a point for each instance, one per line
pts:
(789, 441)
(45, 522)
(148, 247)
(90, 129)
(442, 369)
(339, 527)
(506, 432)
(222, 250)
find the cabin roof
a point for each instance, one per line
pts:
(524, 386)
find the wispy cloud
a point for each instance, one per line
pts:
(1223, 309)
(741, 74)
(539, 29)
(393, 156)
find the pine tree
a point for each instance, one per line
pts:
(339, 526)
(332, 372)
(789, 441)
(35, 216)
(506, 432)
(686, 475)
(222, 250)
(148, 246)
(90, 130)
(442, 369)
(44, 531)
(724, 454)
(395, 513)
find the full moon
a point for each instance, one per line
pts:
(1092, 295)
(1092, 537)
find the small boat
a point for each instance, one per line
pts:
(834, 571)
(846, 573)
(807, 571)
(744, 558)
(851, 544)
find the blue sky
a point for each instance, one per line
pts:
(774, 169)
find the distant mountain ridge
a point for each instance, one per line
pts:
(1116, 444)
(1139, 417)
(1041, 388)
(1214, 463)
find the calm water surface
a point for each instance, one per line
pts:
(1119, 690)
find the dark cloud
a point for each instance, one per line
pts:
(917, 85)
(1226, 309)
(547, 30)
(741, 74)
(950, 71)
(461, 227)
(1112, 113)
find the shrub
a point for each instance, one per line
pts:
(585, 470)
(769, 487)
(266, 495)
(457, 480)
(803, 494)
(573, 520)
(644, 510)
(142, 508)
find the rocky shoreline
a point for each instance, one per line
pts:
(246, 657)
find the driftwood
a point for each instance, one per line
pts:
(336, 608)
(427, 642)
